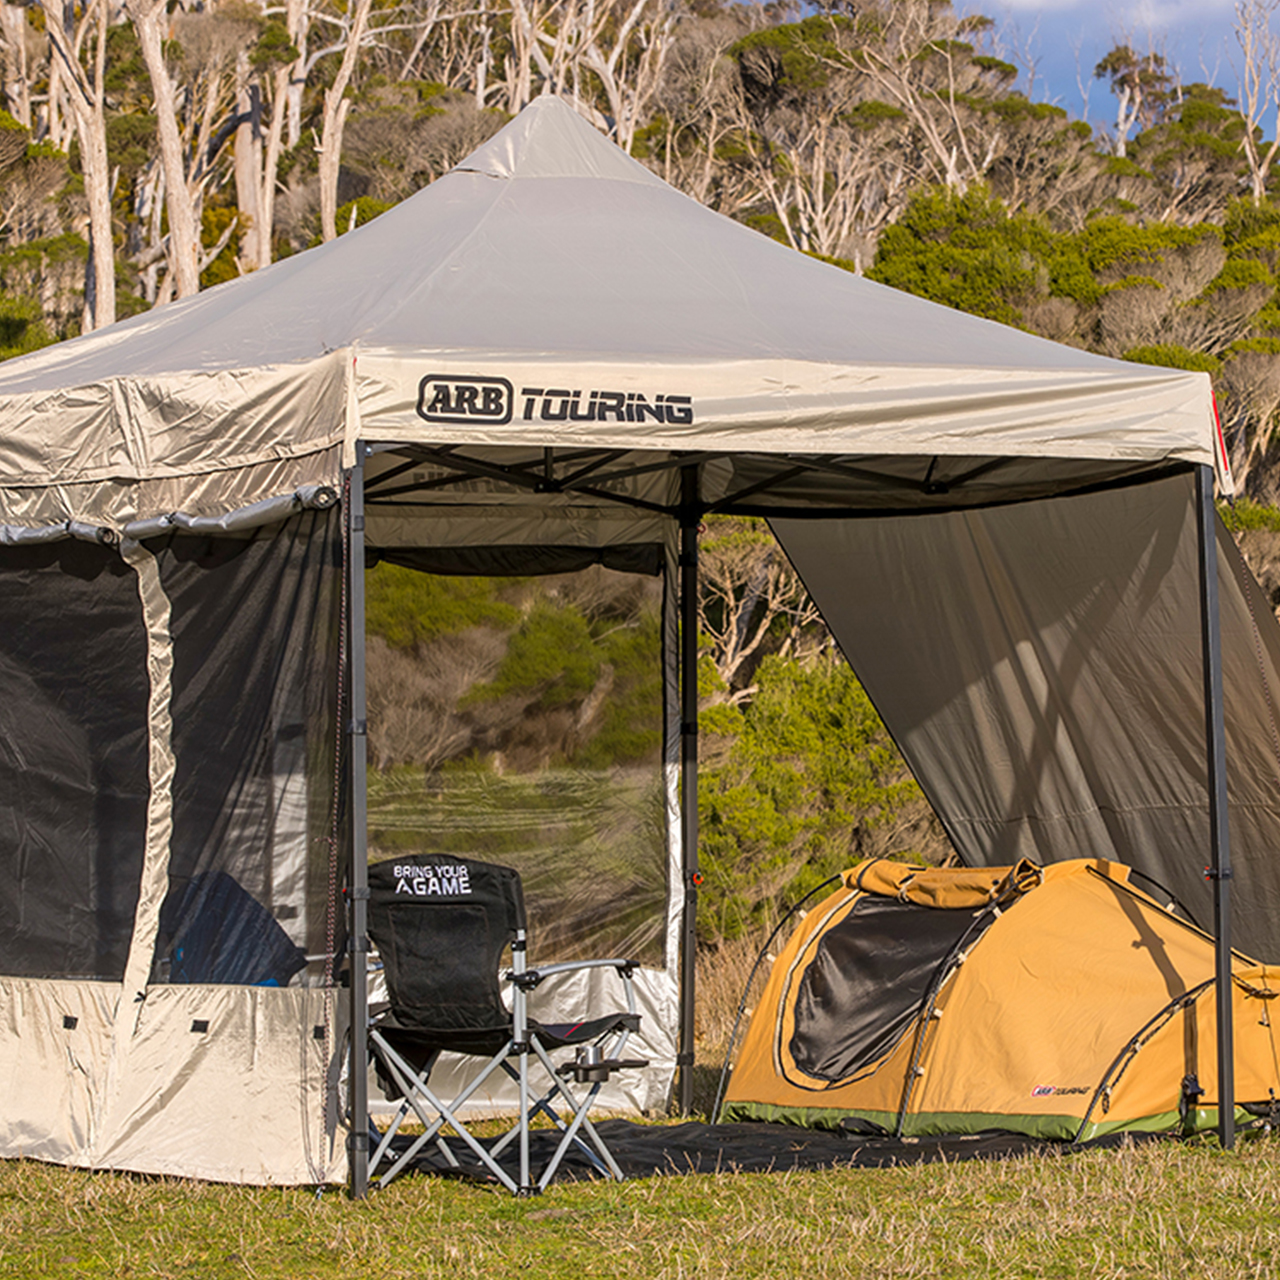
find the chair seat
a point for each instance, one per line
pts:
(559, 1035)
(419, 1042)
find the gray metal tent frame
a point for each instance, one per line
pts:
(588, 472)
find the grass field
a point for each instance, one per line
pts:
(1163, 1209)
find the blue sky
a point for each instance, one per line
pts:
(1066, 38)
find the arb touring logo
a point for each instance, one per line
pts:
(458, 401)
(461, 401)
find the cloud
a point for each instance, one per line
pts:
(1155, 16)
(1066, 38)
(1033, 8)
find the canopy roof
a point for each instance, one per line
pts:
(605, 310)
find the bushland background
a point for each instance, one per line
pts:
(153, 148)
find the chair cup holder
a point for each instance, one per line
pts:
(593, 1069)
(589, 1075)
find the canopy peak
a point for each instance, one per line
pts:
(549, 139)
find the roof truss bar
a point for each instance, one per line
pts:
(416, 455)
(538, 474)
(534, 474)
(675, 462)
(975, 472)
(420, 486)
(768, 483)
(827, 463)
(540, 470)
(831, 463)
(627, 501)
(621, 500)
(601, 460)
(392, 474)
(519, 477)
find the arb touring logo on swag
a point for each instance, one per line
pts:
(458, 401)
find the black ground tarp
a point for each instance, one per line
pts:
(651, 1150)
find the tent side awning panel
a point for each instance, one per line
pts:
(132, 427)
(55, 1045)
(1040, 667)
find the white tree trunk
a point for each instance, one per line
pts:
(184, 231)
(17, 77)
(298, 23)
(248, 160)
(100, 306)
(335, 117)
(85, 98)
(271, 167)
(1259, 87)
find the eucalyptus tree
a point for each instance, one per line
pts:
(336, 106)
(1259, 77)
(78, 49)
(150, 22)
(1143, 84)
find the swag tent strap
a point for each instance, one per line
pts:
(545, 359)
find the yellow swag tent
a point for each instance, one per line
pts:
(1061, 1002)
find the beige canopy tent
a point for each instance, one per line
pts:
(546, 358)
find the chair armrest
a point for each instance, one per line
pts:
(531, 978)
(624, 967)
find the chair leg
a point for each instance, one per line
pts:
(580, 1120)
(416, 1092)
(383, 1141)
(525, 1184)
(543, 1105)
(411, 1085)
(379, 1143)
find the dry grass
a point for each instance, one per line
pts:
(1159, 1210)
(723, 971)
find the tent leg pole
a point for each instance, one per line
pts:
(1219, 870)
(358, 882)
(690, 518)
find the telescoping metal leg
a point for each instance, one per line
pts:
(358, 880)
(1219, 869)
(690, 518)
(520, 1015)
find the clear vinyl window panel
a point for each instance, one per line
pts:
(257, 841)
(519, 720)
(73, 759)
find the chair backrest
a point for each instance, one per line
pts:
(440, 923)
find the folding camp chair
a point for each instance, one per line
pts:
(441, 925)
